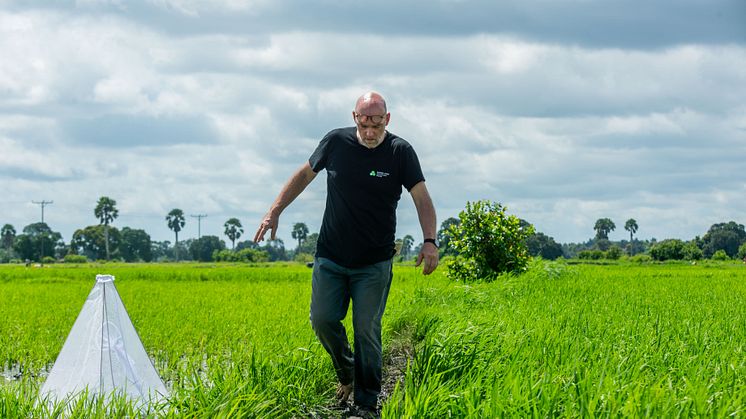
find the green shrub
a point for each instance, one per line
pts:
(488, 242)
(75, 259)
(720, 255)
(591, 254)
(640, 258)
(614, 252)
(48, 260)
(670, 249)
(244, 255)
(692, 252)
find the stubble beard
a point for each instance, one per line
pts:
(367, 144)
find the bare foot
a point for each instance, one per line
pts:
(343, 392)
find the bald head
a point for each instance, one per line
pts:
(371, 118)
(371, 103)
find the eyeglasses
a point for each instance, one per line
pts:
(376, 119)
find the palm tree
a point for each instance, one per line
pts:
(300, 232)
(176, 221)
(8, 235)
(631, 226)
(233, 229)
(106, 211)
(603, 227)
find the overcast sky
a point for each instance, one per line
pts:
(564, 111)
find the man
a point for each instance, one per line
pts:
(366, 168)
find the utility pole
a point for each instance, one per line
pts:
(199, 218)
(42, 204)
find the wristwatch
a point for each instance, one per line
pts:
(430, 241)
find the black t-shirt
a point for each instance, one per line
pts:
(363, 189)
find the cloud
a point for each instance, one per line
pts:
(133, 130)
(566, 112)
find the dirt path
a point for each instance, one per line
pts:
(394, 366)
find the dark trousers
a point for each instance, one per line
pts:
(368, 288)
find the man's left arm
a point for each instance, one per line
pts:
(426, 214)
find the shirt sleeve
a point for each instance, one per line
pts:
(319, 156)
(411, 170)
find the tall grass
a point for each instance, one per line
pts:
(227, 340)
(235, 341)
(655, 341)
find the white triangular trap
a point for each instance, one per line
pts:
(103, 353)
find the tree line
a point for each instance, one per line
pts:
(103, 241)
(39, 243)
(722, 241)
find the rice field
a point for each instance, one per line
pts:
(658, 340)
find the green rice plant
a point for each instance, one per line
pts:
(622, 339)
(618, 340)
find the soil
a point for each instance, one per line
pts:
(394, 366)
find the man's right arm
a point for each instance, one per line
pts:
(294, 186)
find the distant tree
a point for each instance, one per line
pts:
(25, 248)
(602, 244)
(161, 250)
(106, 212)
(175, 220)
(203, 248)
(309, 244)
(723, 236)
(275, 250)
(233, 230)
(603, 227)
(7, 235)
(135, 245)
(300, 232)
(406, 246)
(91, 241)
(631, 226)
(539, 244)
(444, 236)
(636, 247)
(742, 252)
(246, 244)
(37, 241)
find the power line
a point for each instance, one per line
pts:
(199, 218)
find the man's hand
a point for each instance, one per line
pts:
(428, 253)
(269, 222)
(293, 187)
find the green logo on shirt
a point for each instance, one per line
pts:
(378, 173)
